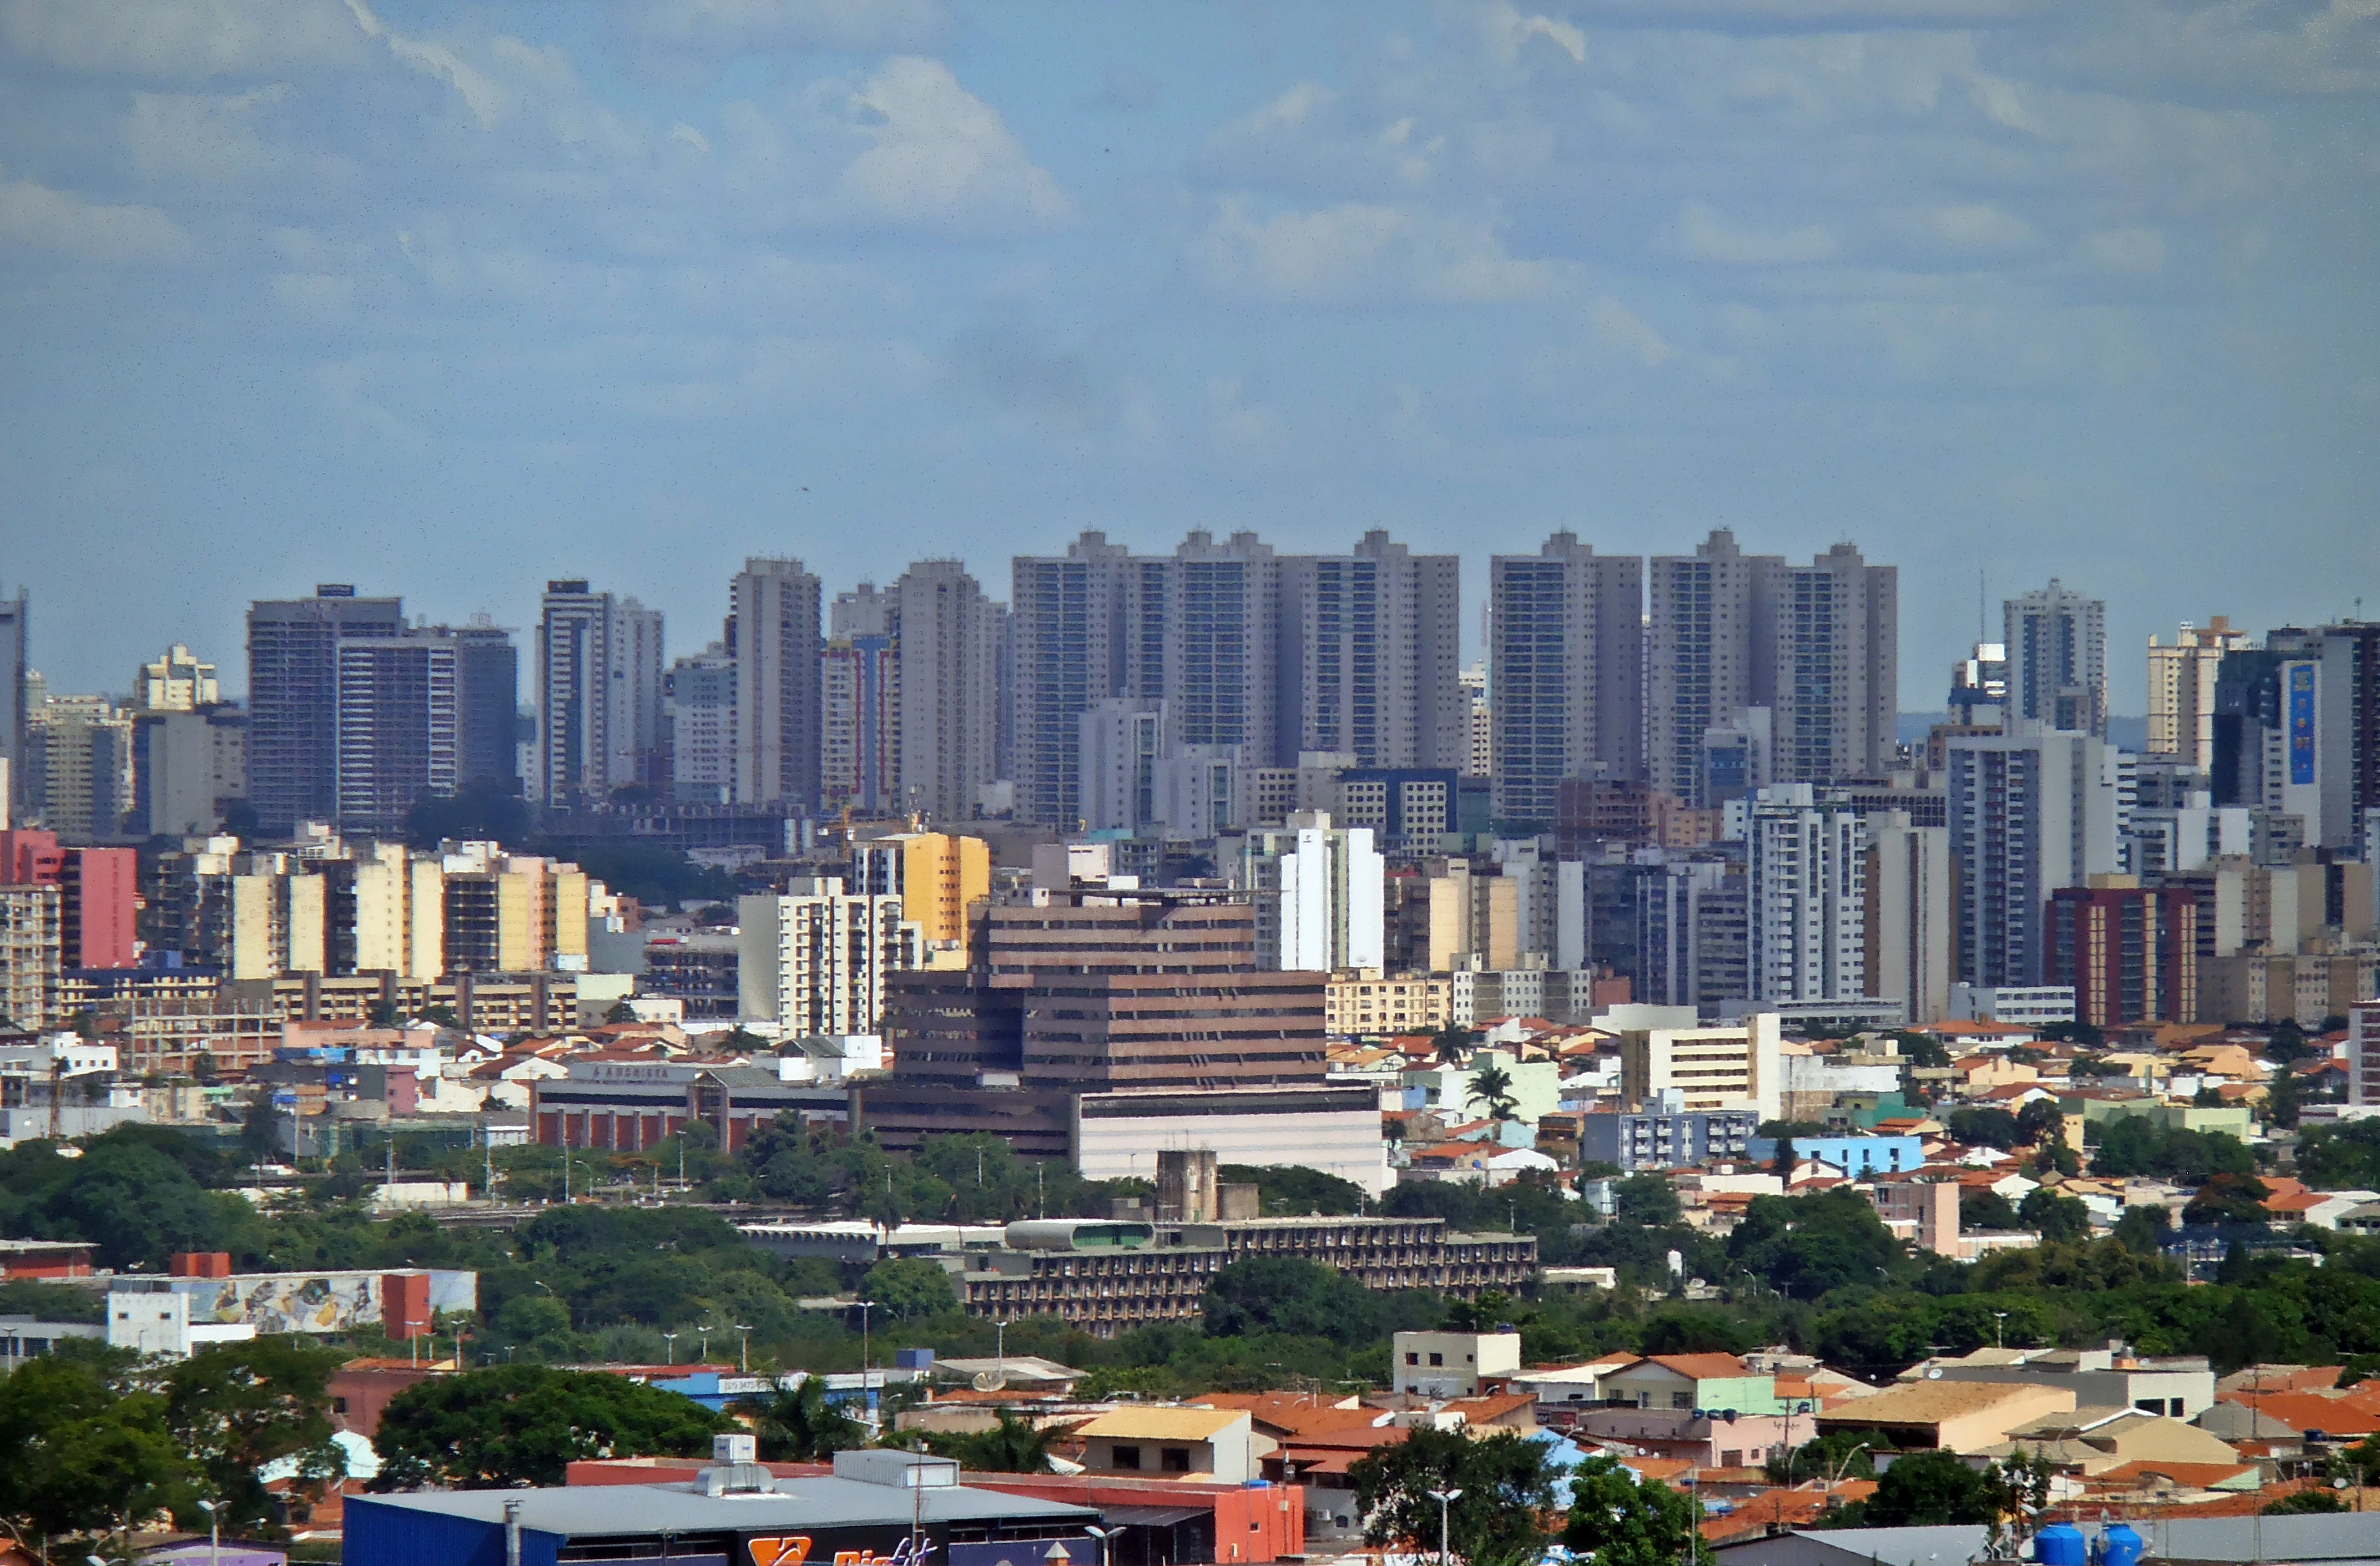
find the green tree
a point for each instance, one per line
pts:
(909, 1288)
(2304, 1501)
(1986, 1209)
(2144, 1230)
(526, 1423)
(1807, 1245)
(2229, 1198)
(1492, 1091)
(1266, 1294)
(235, 1407)
(797, 1424)
(2039, 1121)
(2286, 1043)
(1623, 1523)
(1648, 1200)
(1984, 1128)
(1843, 1452)
(1290, 1191)
(1925, 1488)
(1453, 1045)
(2284, 1095)
(1506, 1483)
(79, 1455)
(2055, 1217)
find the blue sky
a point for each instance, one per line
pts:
(446, 299)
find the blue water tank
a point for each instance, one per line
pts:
(2120, 1545)
(2061, 1544)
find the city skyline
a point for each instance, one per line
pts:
(447, 301)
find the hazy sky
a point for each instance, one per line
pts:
(444, 299)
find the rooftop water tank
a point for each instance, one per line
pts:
(2061, 1544)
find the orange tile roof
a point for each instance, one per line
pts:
(2304, 1411)
(1700, 1366)
(2198, 1475)
(1782, 1508)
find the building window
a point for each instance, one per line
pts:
(1124, 1457)
(1438, 1359)
(1175, 1460)
(1413, 1359)
(1682, 1400)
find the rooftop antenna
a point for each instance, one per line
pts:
(1981, 635)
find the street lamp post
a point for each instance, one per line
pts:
(669, 1346)
(866, 1402)
(1999, 1318)
(743, 1348)
(214, 1533)
(1102, 1535)
(1445, 1499)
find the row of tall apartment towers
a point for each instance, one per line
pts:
(923, 696)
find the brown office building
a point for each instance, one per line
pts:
(1138, 992)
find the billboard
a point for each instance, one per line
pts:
(2299, 717)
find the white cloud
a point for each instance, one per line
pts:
(1358, 253)
(718, 26)
(33, 217)
(181, 40)
(1970, 226)
(2133, 252)
(944, 156)
(202, 136)
(1510, 31)
(1623, 329)
(1703, 234)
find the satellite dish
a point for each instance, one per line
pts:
(989, 1380)
(1934, 1374)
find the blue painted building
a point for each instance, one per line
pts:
(1855, 1156)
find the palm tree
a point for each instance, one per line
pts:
(797, 1424)
(1491, 1090)
(1015, 1445)
(1454, 1045)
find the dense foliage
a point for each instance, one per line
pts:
(526, 1423)
(1506, 1483)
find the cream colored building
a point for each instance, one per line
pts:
(1710, 1068)
(2181, 690)
(1966, 1417)
(29, 937)
(1364, 1002)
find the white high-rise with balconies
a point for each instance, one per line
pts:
(1807, 855)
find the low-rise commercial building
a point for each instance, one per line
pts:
(1107, 1277)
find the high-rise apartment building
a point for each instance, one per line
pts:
(779, 716)
(701, 692)
(186, 769)
(2181, 690)
(1565, 668)
(293, 696)
(949, 636)
(1479, 754)
(1318, 891)
(398, 727)
(177, 683)
(939, 879)
(29, 955)
(2057, 659)
(1911, 912)
(1246, 649)
(1371, 638)
(1073, 622)
(1836, 663)
(2029, 812)
(487, 704)
(1807, 857)
(2130, 953)
(13, 670)
(815, 961)
(859, 738)
(1707, 642)
(79, 768)
(598, 681)
(2347, 721)
(1123, 741)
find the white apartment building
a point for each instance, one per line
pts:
(814, 962)
(1808, 860)
(1319, 895)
